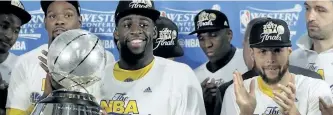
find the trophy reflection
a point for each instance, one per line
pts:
(75, 60)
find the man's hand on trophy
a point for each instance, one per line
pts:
(43, 62)
(47, 86)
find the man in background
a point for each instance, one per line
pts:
(166, 44)
(315, 50)
(30, 81)
(12, 16)
(214, 34)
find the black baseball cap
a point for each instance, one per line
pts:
(270, 32)
(17, 8)
(209, 19)
(166, 44)
(46, 3)
(140, 7)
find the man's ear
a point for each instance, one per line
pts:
(45, 22)
(115, 34)
(290, 50)
(80, 21)
(155, 33)
(230, 34)
(252, 53)
(116, 38)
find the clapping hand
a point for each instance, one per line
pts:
(209, 90)
(246, 100)
(326, 107)
(286, 98)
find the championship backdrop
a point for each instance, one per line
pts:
(98, 17)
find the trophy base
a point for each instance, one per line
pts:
(67, 103)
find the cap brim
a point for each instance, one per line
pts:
(271, 45)
(150, 13)
(169, 51)
(205, 30)
(23, 15)
(179, 51)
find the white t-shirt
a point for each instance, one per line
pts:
(308, 91)
(28, 80)
(7, 66)
(169, 88)
(224, 74)
(321, 63)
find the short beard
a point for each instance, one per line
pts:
(323, 33)
(316, 35)
(271, 81)
(128, 56)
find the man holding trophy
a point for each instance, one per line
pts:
(30, 79)
(140, 83)
(75, 63)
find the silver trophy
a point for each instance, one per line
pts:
(75, 60)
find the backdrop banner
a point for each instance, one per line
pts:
(98, 17)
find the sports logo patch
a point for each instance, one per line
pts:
(272, 31)
(166, 38)
(205, 19)
(140, 4)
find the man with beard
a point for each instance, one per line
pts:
(317, 46)
(166, 44)
(252, 73)
(12, 17)
(141, 83)
(315, 50)
(275, 90)
(214, 34)
(30, 81)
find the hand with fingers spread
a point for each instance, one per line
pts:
(43, 64)
(209, 90)
(43, 60)
(246, 101)
(286, 98)
(325, 106)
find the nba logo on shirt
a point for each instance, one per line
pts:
(245, 17)
(121, 104)
(272, 111)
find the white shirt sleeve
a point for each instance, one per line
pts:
(229, 105)
(320, 89)
(18, 90)
(190, 101)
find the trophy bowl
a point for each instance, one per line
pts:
(76, 59)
